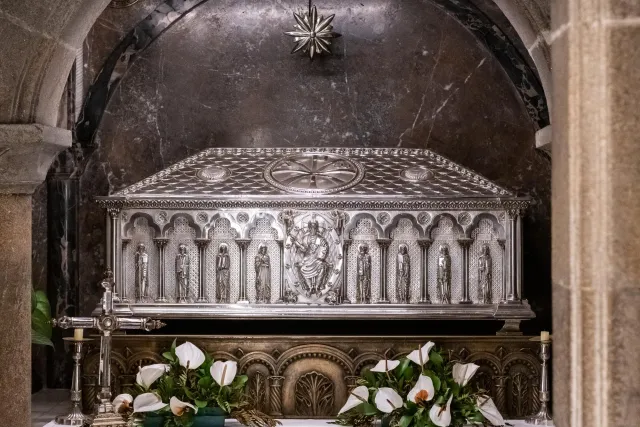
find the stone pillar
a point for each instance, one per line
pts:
(243, 244)
(595, 210)
(275, 395)
(202, 269)
(26, 151)
(113, 231)
(161, 243)
(384, 256)
(512, 256)
(344, 290)
(465, 243)
(425, 244)
(351, 381)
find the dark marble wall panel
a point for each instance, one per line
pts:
(403, 74)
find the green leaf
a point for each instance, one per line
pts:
(201, 403)
(38, 338)
(402, 367)
(405, 421)
(42, 303)
(167, 355)
(436, 358)
(369, 409)
(173, 346)
(41, 323)
(369, 377)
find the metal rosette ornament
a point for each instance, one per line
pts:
(312, 33)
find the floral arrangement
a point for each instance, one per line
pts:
(421, 390)
(190, 382)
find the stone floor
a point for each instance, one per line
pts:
(46, 404)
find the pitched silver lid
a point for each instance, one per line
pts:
(389, 173)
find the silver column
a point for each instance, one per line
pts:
(519, 257)
(112, 248)
(243, 244)
(384, 255)
(344, 297)
(202, 269)
(161, 243)
(505, 263)
(123, 271)
(465, 243)
(280, 300)
(425, 244)
(512, 296)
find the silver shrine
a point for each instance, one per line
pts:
(317, 233)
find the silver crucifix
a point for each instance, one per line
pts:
(106, 323)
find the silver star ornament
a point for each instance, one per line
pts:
(313, 33)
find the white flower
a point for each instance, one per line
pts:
(387, 400)
(423, 391)
(224, 372)
(178, 407)
(441, 416)
(358, 396)
(122, 402)
(489, 411)
(462, 373)
(149, 374)
(385, 366)
(148, 402)
(190, 356)
(421, 356)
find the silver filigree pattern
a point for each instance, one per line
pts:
(313, 173)
(214, 174)
(416, 174)
(243, 217)
(383, 218)
(464, 218)
(424, 218)
(202, 217)
(162, 217)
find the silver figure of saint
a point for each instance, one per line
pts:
(183, 263)
(484, 275)
(142, 273)
(444, 275)
(222, 274)
(311, 263)
(363, 285)
(403, 275)
(263, 275)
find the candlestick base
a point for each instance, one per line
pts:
(108, 420)
(74, 418)
(542, 418)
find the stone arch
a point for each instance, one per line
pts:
(150, 222)
(273, 223)
(498, 229)
(435, 222)
(260, 358)
(191, 220)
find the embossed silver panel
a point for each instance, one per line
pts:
(312, 209)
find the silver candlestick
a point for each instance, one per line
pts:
(543, 417)
(75, 417)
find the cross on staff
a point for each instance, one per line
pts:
(106, 323)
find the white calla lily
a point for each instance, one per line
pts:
(358, 396)
(421, 356)
(385, 366)
(150, 374)
(387, 400)
(190, 356)
(489, 411)
(441, 415)
(224, 372)
(148, 402)
(423, 391)
(178, 407)
(462, 372)
(122, 402)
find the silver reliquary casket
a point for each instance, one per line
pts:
(317, 233)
